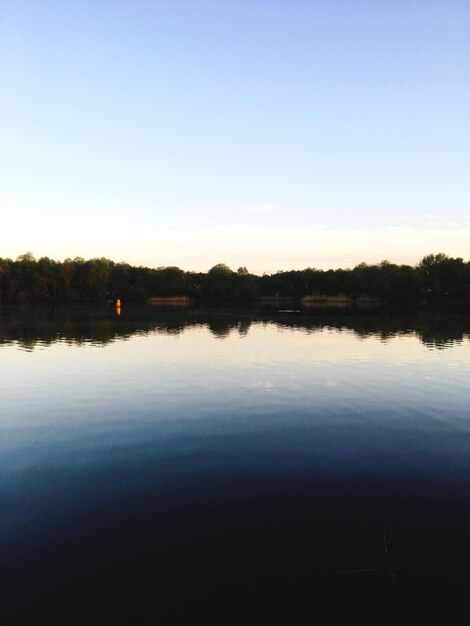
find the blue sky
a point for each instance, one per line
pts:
(260, 133)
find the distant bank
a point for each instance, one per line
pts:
(436, 278)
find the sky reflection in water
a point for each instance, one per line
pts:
(197, 439)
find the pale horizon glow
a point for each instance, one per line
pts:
(267, 135)
(268, 250)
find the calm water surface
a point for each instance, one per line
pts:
(160, 465)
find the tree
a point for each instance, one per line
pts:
(442, 273)
(220, 279)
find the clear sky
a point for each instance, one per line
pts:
(266, 133)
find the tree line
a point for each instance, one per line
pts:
(27, 279)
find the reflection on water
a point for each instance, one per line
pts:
(244, 466)
(42, 327)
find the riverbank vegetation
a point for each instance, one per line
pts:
(26, 279)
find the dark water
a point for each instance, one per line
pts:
(240, 467)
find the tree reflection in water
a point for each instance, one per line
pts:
(33, 327)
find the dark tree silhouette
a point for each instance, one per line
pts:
(436, 277)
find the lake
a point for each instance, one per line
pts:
(244, 466)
